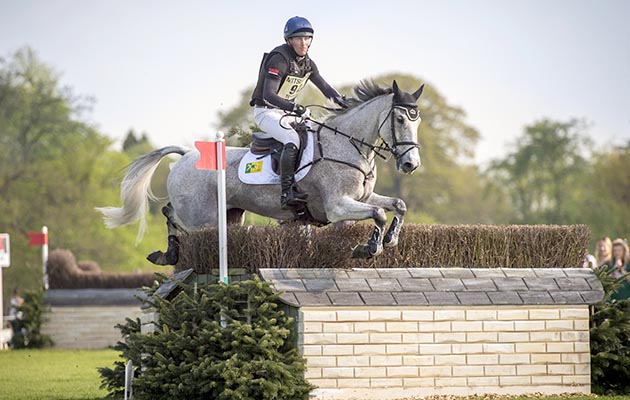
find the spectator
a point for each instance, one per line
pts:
(621, 267)
(14, 313)
(603, 252)
(589, 261)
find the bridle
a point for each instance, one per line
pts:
(411, 112)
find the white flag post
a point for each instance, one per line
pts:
(211, 156)
(45, 257)
(5, 261)
(128, 380)
(221, 206)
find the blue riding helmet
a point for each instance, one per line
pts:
(298, 26)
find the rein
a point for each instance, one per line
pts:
(412, 113)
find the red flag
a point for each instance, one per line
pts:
(37, 239)
(208, 155)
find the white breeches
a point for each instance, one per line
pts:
(271, 121)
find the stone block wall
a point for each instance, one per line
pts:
(395, 352)
(86, 327)
(86, 318)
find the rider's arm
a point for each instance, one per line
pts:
(276, 71)
(321, 84)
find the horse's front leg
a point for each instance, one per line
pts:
(345, 209)
(398, 207)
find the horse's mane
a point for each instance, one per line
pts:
(365, 91)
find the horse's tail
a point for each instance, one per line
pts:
(135, 191)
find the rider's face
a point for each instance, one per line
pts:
(300, 44)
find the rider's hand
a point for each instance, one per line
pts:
(299, 109)
(341, 101)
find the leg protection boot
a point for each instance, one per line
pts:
(290, 194)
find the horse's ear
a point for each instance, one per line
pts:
(418, 93)
(395, 87)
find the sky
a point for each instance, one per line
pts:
(167, 68)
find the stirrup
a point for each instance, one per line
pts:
(292, 199)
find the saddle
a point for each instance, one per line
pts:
(263, 145)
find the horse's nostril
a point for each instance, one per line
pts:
(408, 166)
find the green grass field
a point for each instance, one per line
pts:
(72, 374)
(53, 374)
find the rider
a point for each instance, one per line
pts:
(283, 74)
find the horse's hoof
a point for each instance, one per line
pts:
(392, 242)
(157, 258)
(366, 251)
(361, 252)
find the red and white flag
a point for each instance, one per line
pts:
(208, 155)
(37, 239)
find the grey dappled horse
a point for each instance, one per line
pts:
(340, 183)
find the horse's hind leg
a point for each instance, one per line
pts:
(171, 255)
(235, 216)
(399, 208)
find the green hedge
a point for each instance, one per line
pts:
(610, 339)
(420, 246)
(27, 328)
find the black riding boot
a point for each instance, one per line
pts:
(290, 195)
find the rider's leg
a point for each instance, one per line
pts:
(290, 195)
(276, 123)
(271, 121)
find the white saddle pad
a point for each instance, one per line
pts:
(256, 170)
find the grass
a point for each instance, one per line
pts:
(72, 374)
(53, 374)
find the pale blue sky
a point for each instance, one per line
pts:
(168, 67)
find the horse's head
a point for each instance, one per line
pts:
(401, 135)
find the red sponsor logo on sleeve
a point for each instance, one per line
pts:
(273, 71)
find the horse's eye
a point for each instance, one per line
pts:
(400, 119)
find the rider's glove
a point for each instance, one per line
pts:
(341, 101)
(299, 109)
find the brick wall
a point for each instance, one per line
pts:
(86, 327)
(386, 352)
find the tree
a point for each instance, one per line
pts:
(606, 193)
(543, 171)
(54, 169)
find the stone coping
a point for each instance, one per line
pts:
(93, 297)
(435, 286)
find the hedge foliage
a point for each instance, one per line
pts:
(27, 328)
(65, 273)
(420, 246)
(610, 339)
(191, 356)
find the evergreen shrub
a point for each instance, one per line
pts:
(610, 340)
(27, 329)
(191, 356)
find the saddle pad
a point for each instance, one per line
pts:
(255, 170)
